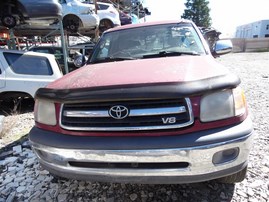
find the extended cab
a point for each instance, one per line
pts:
(22, 73)
(151, 106)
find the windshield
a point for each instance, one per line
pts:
(149, 41)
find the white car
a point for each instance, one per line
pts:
(22, 73)
(109, 16)
(78, 16)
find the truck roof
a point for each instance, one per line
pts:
(145, 24)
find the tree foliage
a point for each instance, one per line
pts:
(198, 12)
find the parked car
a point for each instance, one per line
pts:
(125, 18)
(151, 106)
(78, 16)
(22, 73)
(29, 11)
(73, 52)
(108, 14)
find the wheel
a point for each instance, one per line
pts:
(71, 24)
(237, 177)
(9, 21)
(105, 25)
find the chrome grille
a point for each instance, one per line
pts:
(142, 115)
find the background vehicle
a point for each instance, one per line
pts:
(74, 51)
(54, 50)
(151, 106)
(211, 35)
(125, 19)
(109, 16)
(29, 11)
(77, 15)
(81, 52)
(22, 73)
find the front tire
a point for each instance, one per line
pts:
(9, 21)
(105, 25)
(237, 177)
(71, 24)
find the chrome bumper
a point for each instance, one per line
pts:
(200, 162)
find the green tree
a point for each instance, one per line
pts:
(198, 12)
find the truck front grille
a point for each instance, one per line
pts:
(127, 115)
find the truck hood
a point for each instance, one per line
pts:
(142, 71)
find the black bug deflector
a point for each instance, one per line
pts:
(150, 91)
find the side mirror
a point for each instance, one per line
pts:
(222, 47)
(80, 60)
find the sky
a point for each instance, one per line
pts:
(226, 14)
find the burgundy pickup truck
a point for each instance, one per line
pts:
(150, 106)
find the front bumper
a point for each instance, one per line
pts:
(174, 159)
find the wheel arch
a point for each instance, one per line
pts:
(102, 27)
(71, 15)
(108, 20)
(14, 95)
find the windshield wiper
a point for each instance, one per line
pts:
(112, 59)
(169, 53)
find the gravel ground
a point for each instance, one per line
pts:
(22, 179)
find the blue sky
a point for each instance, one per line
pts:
(225, 14)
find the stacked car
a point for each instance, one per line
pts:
(78, 15)
(109, 16)
(13, 12)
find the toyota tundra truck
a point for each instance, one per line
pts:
(150, 106)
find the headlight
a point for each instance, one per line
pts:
(45, 112)
(239, 101)
(222, 105)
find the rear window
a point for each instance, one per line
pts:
(102, 7)
(28, 64)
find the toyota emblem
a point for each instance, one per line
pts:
(118, 112)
